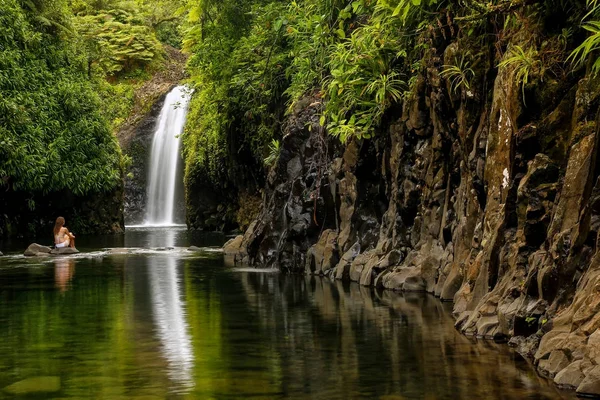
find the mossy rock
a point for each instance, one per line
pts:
(38, 384)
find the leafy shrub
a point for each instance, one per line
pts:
(117, 41)
(52, 133)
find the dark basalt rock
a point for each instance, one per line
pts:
(465, 199)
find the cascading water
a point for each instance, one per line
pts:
(164, 158)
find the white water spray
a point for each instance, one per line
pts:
(164, 158)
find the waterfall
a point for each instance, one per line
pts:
(164, 158)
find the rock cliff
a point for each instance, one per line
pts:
(135, 136)
(470, 195)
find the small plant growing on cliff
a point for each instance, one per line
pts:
(579, 56)
(459, 75)
(530, 320)
(274, 150)
(525, 64)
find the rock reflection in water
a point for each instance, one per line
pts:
(354, 343)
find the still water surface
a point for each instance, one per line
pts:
(157, 324)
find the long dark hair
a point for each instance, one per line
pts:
(60, 221)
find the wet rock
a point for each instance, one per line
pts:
(571, 376)
(35, 249)
(164, 248)
(64, 251)
(323, 256)
(342, 269)
(370, 271)
(360, 262)
(557, 361)
(231, 249)
(590, 385)
(34, 386)
(404, 279)
(525, 346)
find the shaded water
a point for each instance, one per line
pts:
(172, 323)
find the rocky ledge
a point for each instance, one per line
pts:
(472, 198)
(37, 250)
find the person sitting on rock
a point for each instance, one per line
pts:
(62, 236)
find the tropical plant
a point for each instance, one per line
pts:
(460, 74)
(274, 150)
(524, 65)
(588, 48)
(117, 41)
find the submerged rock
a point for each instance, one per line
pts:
(164, 248)
(35, 249)
(35, 385)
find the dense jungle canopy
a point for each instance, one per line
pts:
(69, 70)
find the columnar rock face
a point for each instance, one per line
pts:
(468, 196)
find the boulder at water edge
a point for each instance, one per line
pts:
(232, 247)
(64, 250)
(35, 249)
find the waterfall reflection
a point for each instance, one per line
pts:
(170, 315)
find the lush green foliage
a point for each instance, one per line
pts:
(361, 58)
(70, 68)
(117, 41)
(237, 67)
(589, 48)
(68, 72)
(52, 133)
